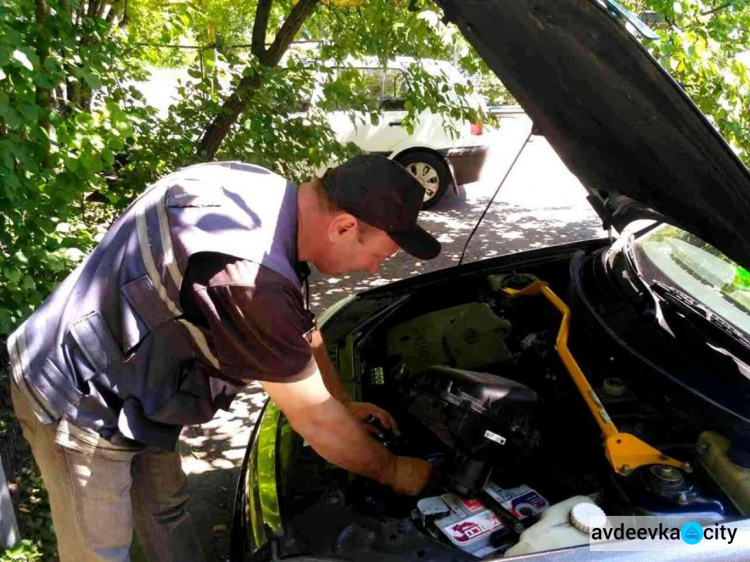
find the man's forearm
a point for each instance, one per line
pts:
(336, 436)
(330, 377)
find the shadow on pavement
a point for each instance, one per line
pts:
(506, 228)
(211, 456)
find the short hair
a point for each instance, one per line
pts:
(326, 204)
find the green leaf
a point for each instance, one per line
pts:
(108, 156)
(12, 274)
(29, 112)
(13, 118)
(91, 161)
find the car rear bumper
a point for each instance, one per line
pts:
(466, 162)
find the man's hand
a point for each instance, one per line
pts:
(411, 476)
(362, 410)
(335, 434)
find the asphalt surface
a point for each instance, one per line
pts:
(540, 204)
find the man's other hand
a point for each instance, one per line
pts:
(362, 410)
(411, 475)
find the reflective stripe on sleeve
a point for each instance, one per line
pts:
(201, 342)
(157, 197)
(166, 242)
(147, 255)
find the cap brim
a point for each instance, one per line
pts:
(417, 242)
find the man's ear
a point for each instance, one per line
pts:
(342, 225)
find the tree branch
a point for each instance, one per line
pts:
(260, 28)
(65, 5)
(79, 14)
(300, 12)
(236, 103)
(717, 9)
(102, 7)
(124, 20)
(115, 10)
(93, 5)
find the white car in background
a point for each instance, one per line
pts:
(440, 152)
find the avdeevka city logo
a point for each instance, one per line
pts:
(691, 533)
(645, 533)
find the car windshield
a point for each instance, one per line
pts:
(684, 262)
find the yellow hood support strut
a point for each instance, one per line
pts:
(625, 452)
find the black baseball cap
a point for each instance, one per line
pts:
(384, 194)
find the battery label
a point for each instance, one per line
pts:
(472, 528)
(473, 505)
(530, 503)
(521, 501)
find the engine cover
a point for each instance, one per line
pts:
(486, 419)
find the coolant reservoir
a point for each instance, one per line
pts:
(733, 479)
(561, 525)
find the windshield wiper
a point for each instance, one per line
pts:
(686, 302)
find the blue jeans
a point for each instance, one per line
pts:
(98, 498)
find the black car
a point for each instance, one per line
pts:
(609, 374)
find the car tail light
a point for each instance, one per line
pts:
(477, 128)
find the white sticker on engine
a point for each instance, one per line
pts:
(495, 437)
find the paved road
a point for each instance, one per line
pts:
(540, 204)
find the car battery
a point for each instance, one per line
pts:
(469, 525)
(521, 501)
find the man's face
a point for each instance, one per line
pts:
(355, 249)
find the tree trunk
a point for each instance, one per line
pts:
(42, 95)
(236, 103)
(233, 107)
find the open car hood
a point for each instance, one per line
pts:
(613, 114)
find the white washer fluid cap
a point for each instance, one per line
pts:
(581, 513)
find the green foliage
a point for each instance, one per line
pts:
(274, 130)
(700, 42)
(35, 522)
(58, 141)
(153, 23)
(32, 506)
(490, 87)
(278, 132)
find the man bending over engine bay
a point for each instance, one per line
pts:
(195, 291)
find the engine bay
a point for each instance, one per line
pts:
(481, 389)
